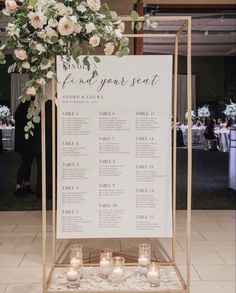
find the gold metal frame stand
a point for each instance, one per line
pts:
(185, 26)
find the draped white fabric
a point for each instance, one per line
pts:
(17, 85)
(182, 96)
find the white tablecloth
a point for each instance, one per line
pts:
(223, 139)
(197, 135)
(8, 138)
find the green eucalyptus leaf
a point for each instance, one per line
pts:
(2, 55)
(134, 15)
(44, 61)
(138, 26)
(96, 59)
(119, 53)
(30, 124)
(26, 136)
(124, 42)
(26, 128)
(36, 119)
(29, 115)
(125, 51)
(33, 2)
(113, 15)
(54, 39)
(86, 62)
(132, 25)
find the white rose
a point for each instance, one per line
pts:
(41, 81)
(11, 6)
(31, 91)
(25, 65)
(69, 10)
(94, 5)
(65, 27)
(52, 23)
(73, 18)
(61, 8)
(20, 54)
(109, 48)
(121, 26)
(40, 48)
(94, 41)
(50, 32)
(5, 12)
(118, 34)
(78, 28)
(37, 19)
(90, 27)
(49, 74)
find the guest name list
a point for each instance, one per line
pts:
(114, 148)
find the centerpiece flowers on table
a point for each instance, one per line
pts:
(4, 113)
(39, 30)
(203, 112)
(230, 111)
(193, 116)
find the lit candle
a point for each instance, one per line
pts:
(105, 263)
(75, 263)
(143, 261)
(72, 275)
(117, 274)
(152, 277)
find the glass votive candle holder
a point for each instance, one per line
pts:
(117, 274)
(76, 256)
(144, 258)
(153, 274)
(105, 262)
(73, 278)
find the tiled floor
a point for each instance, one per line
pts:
(213, 250)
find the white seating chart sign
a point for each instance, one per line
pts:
(114, 148)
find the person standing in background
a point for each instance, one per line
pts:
(27, 149)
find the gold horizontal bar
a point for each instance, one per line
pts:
(150, 35)
(156, 18)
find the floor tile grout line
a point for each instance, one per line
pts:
(221, 257)
(14, 228)
(36, 233)
(19, 265)
(201, 235)
(180, 245)
(196, 272)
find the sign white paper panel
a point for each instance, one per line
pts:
(114, 148)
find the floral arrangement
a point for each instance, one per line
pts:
(192, 115)
(4, 112)
(230, 111)
(42, 29)
(203, 112)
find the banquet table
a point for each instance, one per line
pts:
(7, 138)
(224, 140)
(197, 135)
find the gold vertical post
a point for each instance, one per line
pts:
(189, 186)
(175, 147)
(44, 204)
(53, 173)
